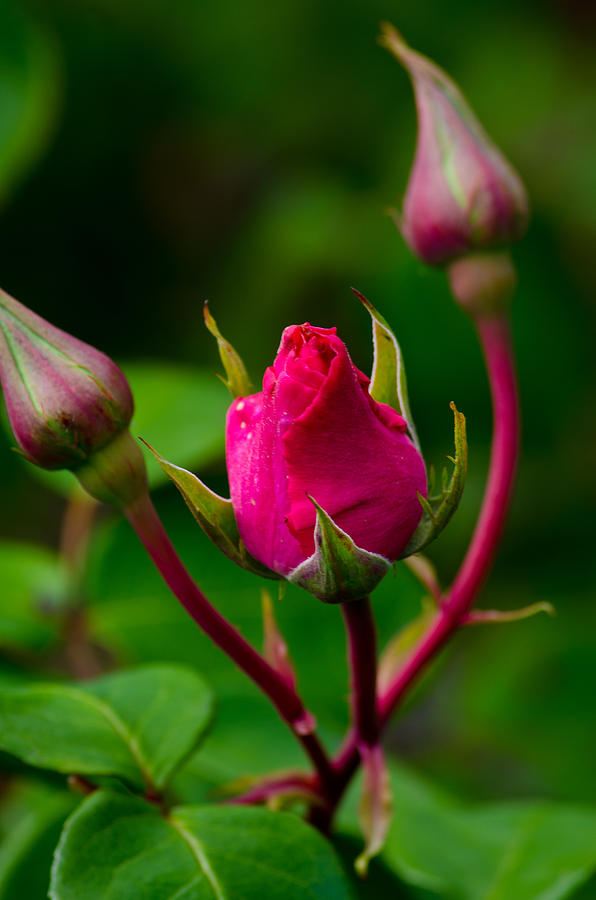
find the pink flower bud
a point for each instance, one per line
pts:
(462, 195)
(315, 433)
(65, 400)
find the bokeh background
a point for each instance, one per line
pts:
(156, 155)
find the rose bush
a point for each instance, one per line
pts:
(315, 432)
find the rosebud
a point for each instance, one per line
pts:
(314, 448)
(68, 404)
(462, 195)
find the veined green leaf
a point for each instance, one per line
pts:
(138, 725)
(120, 847)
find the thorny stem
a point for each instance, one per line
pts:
(494, 334)
(145, 521)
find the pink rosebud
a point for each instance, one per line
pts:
(65, 400)
(315, 432)
(462, 194)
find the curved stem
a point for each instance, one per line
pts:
(147, 524)
(301, 785)
(494, 334)
(495, 338)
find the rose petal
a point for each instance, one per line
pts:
(363, 472)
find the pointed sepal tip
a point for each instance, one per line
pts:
(237, 380)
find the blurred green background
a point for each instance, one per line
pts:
(153, 156)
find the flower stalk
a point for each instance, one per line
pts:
(362, 655)
(495, 339)
(144, 519)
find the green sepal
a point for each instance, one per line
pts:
(238, 383)
(438, 508)
(338, 570)
(375, 809)
(388, 378)
(215, 515)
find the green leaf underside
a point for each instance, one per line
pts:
(519, 850)
(138, 725)
(438, 509)
(338, 570)
(388, 379)
(120, 847)
(216, 517)
(238, 383)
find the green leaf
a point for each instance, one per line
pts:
(438, 509)
(180, 409)
(138, 725)
(29, 82)
(338, 570)
(120, 847)
(31, 819)
(388, 378)
(215, 515)
(527, 850)
(238, 383)
(34, 587)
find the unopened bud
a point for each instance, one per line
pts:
(68, 404)
(64, 399)
(462, 195)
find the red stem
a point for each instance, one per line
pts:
(145, 521)
(496, 343)
(362, 654)
(260, 793)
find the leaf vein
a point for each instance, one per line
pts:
(199, 854)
